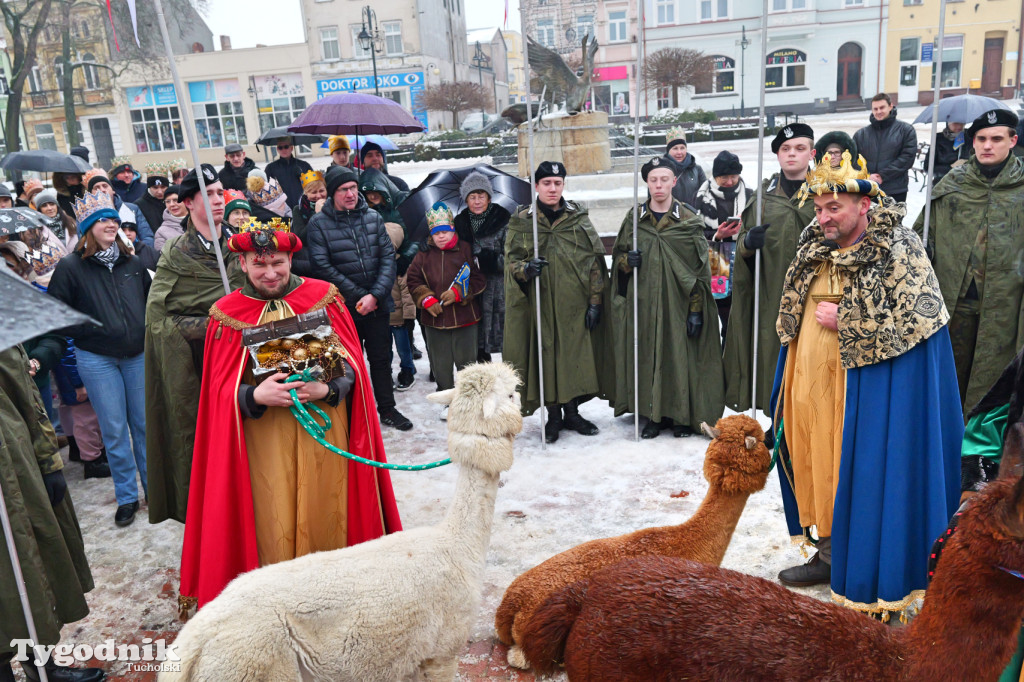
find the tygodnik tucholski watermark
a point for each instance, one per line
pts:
(150, 656)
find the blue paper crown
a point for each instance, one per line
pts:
(92, 207)
(439, 216)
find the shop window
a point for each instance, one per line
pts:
(157, 129)
(785, 69)
(279, 111)
(329, 48)
(45, 139)
(952, 54)
(724, 79)
(617, 27)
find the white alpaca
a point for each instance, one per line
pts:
(396, 608)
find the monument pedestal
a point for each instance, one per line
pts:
(578, 141)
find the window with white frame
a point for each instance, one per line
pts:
(35, 79)
(92, 74)
(45, 139)
(789, 5)
(58, 71)
(724, 80)
(785, 69)
(546, 32)
(711, 10)
(393, 38)
(357, 48)
(666, 11)
(329, 47)
(585, 26)
(64, 128)
(617, 26)
(157, 128)
(854, 2)
(664, 98)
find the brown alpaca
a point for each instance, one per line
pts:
(736, 464)
(659, 618)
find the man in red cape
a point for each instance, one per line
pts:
(262, 489)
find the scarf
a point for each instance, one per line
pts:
(891, 298)
(727, 202)
(476, 222)
(108, 256)
(56, 226)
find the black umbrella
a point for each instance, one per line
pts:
(509, 192)
(26, 312)
(270, 137)
(44, 161)
(20, 219)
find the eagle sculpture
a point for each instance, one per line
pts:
(559, 80)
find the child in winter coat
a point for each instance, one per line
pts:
(445, 284)
(405, 309)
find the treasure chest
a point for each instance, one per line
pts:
(294, 344)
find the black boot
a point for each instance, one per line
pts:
(682, 431)
(574, 421)
(553, 424)
(98, 468)
(410, 327)
(74, 454)
(814, 572)
(651, 430)
(60, 673)
(483, 356)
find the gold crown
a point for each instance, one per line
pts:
(311, 176)
(440, 214)
(157, 170)
(842, 178)
(273, 225)
(91, 203)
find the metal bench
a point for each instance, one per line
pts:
(733, 124)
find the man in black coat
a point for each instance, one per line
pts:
(350, 248)
(287, 169)
(236, 168)
(371, 155)
(889, 146)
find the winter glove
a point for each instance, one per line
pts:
(634, 259)
(593, 317)
(694, 323)
(533, 268)
(56, 486)
(755, 236)
(449, 296)
(488, 259)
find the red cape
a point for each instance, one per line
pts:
(220, 532)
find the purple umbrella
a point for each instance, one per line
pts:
(357, 144)
(353, 113)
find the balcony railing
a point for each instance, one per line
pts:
(43, 99)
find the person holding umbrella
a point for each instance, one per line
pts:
(288, 170)
(572, 284)
(950, 150)
(103, 280)
(484, 225)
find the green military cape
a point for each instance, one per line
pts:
(182, 286)
(48, 539)
(787, 219)
(962, 202)
(680, 378)
(575, 361)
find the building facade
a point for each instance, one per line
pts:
(488, 63)
(415, 43)
(514, 56)
(981, 49)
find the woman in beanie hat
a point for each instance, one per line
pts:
(722, 197)
(484, 224)
(689, 175)
(59, 222)
(103, 280)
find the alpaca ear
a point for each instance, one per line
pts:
(1012, 464)
(750, 442)
(442, 397)
(710, 431)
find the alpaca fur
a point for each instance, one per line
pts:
(736, 465)
(659, 618)
(397, 608)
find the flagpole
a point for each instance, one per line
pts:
(760, 204)
(187, 124)
(636, 220)
(937, 73)
(533, 212)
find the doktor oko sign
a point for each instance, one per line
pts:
(411, 82)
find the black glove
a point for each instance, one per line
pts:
(634, 259)
(593, 317)
(694, 323)
(533, 267)
(56, 486)
(488, 260)
(755, 236)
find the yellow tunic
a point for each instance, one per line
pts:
(815, 397)
(299, 488)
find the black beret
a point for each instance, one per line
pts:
(157, 181)
(993, 119)
(549, 169)
(791, 131)
(190, 183)
(656, 162)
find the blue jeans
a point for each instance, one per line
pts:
(404, 346)
(117, 391)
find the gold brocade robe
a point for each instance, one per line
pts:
(813, 410)
(299, 488)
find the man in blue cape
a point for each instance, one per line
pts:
(865, 400)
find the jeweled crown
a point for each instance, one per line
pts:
(311, 176)
(825, 178)
(439, 214)
(273, 225)
(91, 203)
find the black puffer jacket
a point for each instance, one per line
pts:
(287, 172)
(946, 155)
(889, 147)
(116, 299)
(352, 251)
(153, 209)
(234, 178)
(689, 177)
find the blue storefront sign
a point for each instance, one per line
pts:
(927, 50)
(413, 80)
(151, 95)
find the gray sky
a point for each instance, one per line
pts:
(277, 22)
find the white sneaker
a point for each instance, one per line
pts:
(444, 413)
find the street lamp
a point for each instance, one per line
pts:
(744, 43)
(481, 59)
(369, 40)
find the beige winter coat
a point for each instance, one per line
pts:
(405, 307)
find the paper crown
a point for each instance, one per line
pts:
(439, 216)
(92, 203)
(177, 165)
(311, 176)
(842, 178)
(124, 160)
(262, 238)
(261, 190)
(675, 133)
(160, 170)
(90, 174)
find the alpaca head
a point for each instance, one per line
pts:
(737, 460)
(483, 403)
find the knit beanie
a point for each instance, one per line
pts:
(94, 176)
(369, 147)
(476, 182)
(337, 142)
(235, 200)
(338, 176)
(726, 163)
(47, 196)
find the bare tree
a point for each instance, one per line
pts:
(675, 68)
(455, 97)
(24, 23)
